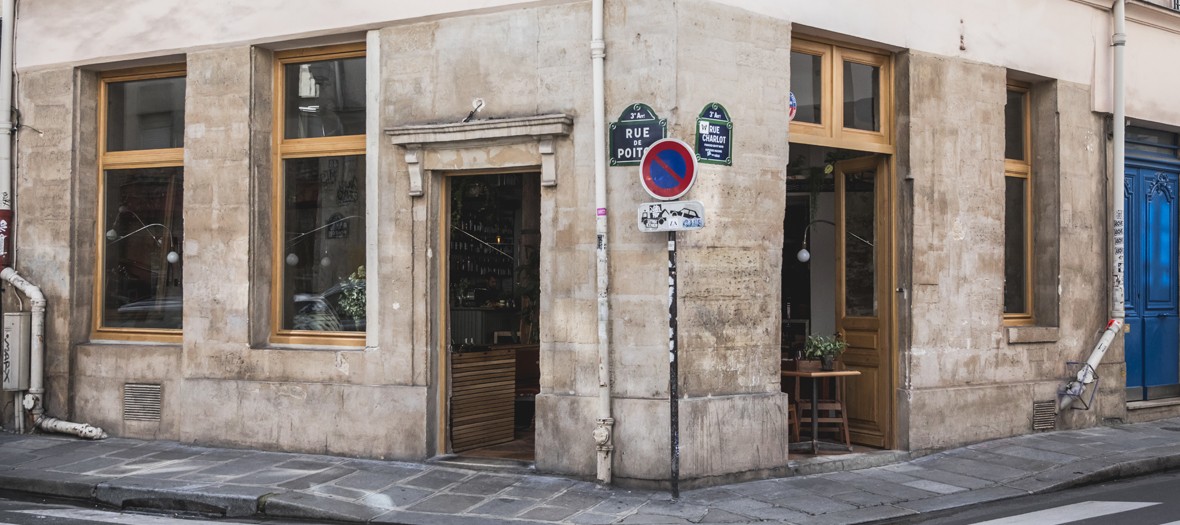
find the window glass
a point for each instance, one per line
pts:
(324, 247)
(807, 84)
(862, 96)
(325, 98)
(1152, 141)
(1015, 230)
(143, 239)
(1014, 112)
(145, 114)
(860, 256)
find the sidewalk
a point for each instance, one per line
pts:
(168, 475)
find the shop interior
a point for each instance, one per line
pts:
(493, 283)
(809, 280)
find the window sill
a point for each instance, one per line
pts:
(1032, 334)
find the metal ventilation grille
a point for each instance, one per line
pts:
(1044, 415)
(142, 402)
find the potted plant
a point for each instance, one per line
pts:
(825, 349)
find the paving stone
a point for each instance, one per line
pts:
(982, 470)
(815, 504)
(721, 516)
(340, 492)
(579, 499)
(446, 503)
(318, 478)
(742, 505)
(590, 518)
(1037, 454)
(371, 481)
(311, 507)
(654, 519)
(504, 507)
(961, 499)
(483, 484)
(619, 505)
(270, 476)
(89, 466)
(1022, 464)
(888, 476)
(310, 465)
(673, 508)
(396, 497)
(951, 478)
(934, 486)
(707, 496)
(435, 479)
(866, 499)
(775, 513)
(547, 513)
(542, 488)
(865, 515)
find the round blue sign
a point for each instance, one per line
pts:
(668, 169)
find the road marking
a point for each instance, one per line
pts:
(111, 517)
(1070, 513)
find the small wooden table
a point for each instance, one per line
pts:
(813, 375)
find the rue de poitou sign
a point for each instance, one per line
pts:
(637, 128)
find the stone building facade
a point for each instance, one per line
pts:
(930, 175)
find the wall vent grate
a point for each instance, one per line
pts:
(1044, 415)
(142, 402)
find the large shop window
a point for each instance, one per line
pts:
(1018, 236)
(140, 231)
(843, 96)
(319, 292)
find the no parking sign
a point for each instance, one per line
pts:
(668, 169)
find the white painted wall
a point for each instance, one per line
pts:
(1058, 39)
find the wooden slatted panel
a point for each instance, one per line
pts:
(483, 386)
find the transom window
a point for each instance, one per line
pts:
(140, 231)
(1017, 213)
(843, 96)
(319, 292)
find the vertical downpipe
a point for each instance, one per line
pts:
(1119, 41)
(604, 424)
(8, 12)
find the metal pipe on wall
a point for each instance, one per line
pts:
(1075, 388)
(604, 424)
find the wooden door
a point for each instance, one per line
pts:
(863, 299)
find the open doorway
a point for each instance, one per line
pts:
(493, 286)
(835, 282)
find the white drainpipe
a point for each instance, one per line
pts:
(604, 424)
(1076, 387)
(35, 399)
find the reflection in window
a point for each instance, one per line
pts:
(142, 285)
(807, 84)
(1014, 111)
(324, 247)
(1015, 230)
(860, 261)
(862, 96)
(325, 98)
(145, 114)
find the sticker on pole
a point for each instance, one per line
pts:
(671, 216)
(668, 169)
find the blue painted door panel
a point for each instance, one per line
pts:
(1153, 293)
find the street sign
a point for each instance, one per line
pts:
(671, 216)
(714, 135)
(668, 169)
(638, 127)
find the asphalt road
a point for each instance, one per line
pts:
(20, 509)
(1150, 500)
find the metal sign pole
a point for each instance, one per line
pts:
(673, 394)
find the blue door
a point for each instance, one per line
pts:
(1152, 349)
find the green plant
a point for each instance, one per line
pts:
(352, 296)
(821, 346)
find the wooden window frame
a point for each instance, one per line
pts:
(1022, 169)
(831, 132)
(119, 160)
(285, 149)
